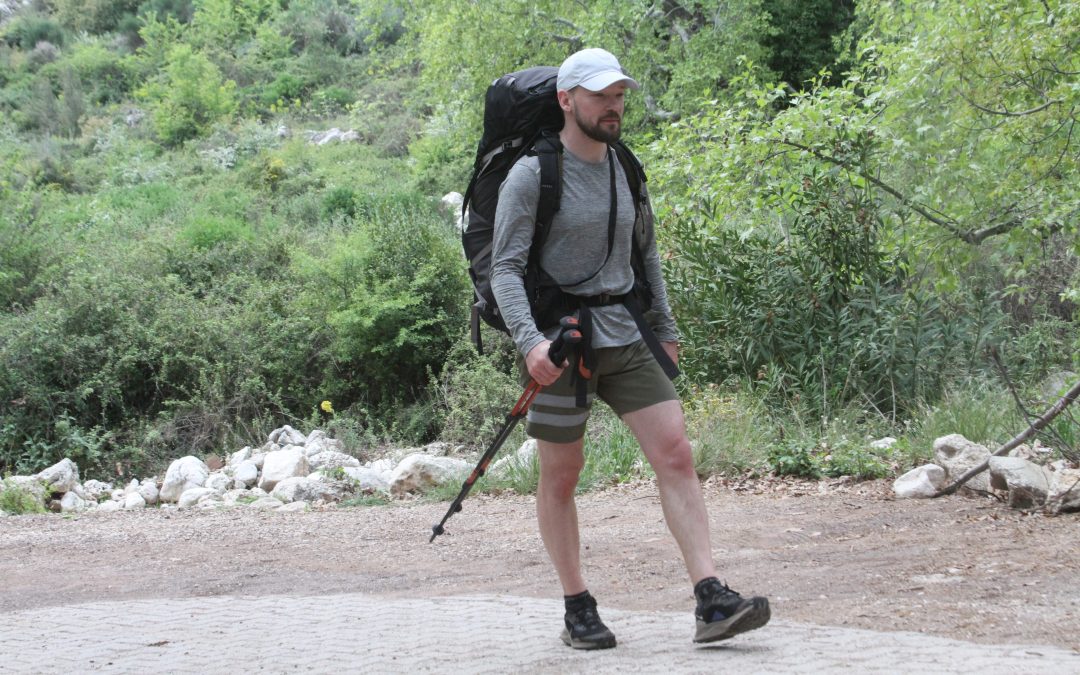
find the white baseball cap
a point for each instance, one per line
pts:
(594, 69)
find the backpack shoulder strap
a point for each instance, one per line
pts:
(548, 150)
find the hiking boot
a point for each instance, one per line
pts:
(722, 613)
(584, 629)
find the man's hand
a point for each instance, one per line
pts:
(672, 349)
(540, 366)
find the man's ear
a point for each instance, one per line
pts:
(564, 99)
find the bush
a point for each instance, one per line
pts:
(189, 97)
(17, 500)
(474, 392)
(28, 30)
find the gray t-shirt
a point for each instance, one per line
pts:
(575, 248)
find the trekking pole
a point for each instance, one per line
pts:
(557, 352)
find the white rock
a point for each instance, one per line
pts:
(109, 505)
(134, 500)
(192, 496)
(519, 460)
(234, 496)
(29, 484)
(420, 471)
(72, 503)
(883, 443)
(96, 489)
(920, 483)
(265, 503)
(329, 459)
(285, 463)
(1027, 482)
(218, 482)
(1064, 493)
(132, 486)
(148, 489)
(315, 436)
(956, 455)
(286, 435)
(259, 457)
(368, 480)
(384, 466)
(246, 473)
(60, 477)
(293, 507)
(302, 488)
(241, 455)
(183, 474)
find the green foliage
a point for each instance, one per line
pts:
(793, 458)
(189, 97)
(27, 30)
(802, 41)
(391, 293)
(474, 393)
(728, 431)
(17, 500)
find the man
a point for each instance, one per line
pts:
(591, 91)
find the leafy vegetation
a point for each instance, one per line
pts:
(868, 215)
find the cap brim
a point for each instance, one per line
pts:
(602, 81)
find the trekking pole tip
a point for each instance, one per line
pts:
(436, 530)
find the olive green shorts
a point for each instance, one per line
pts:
(626, 378)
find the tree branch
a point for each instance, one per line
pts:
(973, 237)
(1007, 113)
(1034, 428)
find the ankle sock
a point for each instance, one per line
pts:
(573, 602)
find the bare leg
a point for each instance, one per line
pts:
(661, 431)
(556, 512)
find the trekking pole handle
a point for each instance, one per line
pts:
(564, 343)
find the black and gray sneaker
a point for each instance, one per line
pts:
(723, 613)
(584, 629)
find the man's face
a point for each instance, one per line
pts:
(599, 113)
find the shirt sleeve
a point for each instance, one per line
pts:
(515, 224)
(659, 316)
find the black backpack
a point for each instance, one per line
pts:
(522, 116)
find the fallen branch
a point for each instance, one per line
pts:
(1034, 428)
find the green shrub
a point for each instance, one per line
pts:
(794, 458)
(28, 30)
(729, 431)
(189, 96)
(474, 393)
(17, 500)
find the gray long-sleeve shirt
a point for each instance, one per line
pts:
(575, 248)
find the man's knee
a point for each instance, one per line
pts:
(675, 458)
(560, 468)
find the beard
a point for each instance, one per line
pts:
(597, 131)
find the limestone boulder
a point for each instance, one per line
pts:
(1063, 495)
(182, 475)
(920, 483)
(368, 480)
(1027, 483)
(957, 455)
(60, 477)
(418, 472)
(193, 496)
(72, 503)
(306, 489)
(288, 462)
(246, 473)
(96, 489)
(330, 459)
(520, 460)
(286, 435)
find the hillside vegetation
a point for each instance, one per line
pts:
(868, 213)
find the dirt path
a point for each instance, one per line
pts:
(851, 556)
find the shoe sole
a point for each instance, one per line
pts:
(606, 643)
(754, 616)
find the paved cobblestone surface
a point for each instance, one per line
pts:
(356, 633)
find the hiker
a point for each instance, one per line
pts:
(624, 372)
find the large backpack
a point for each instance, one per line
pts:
(522, 116)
